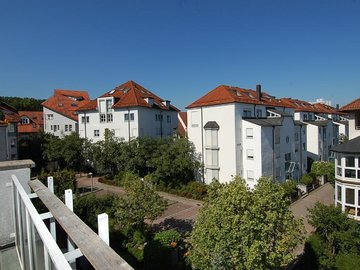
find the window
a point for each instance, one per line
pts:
(49, 117)
(250, 154)
(247, 113)
(158, 117)
(54, 127)
(277, 173)
(350, 161)
(296, 147)
(305, 117)
(350, 195)
(211, 174)
(66, 128)
(212, 158)
(357, 120)
(258, 113)
(339, 171)
(168, 118)
(102, 118)
(339, 193)
(70, 127)
(109, 104)
(25, 120)
(350, 173)
(288, 157)
(96, 133)
(250, 175)
(12, 142)
(83, 119)
(304, 146)
(296, 136)
(249, 133)
(195, 119)
(126, 117)
(109, 117)
(211, 137)
(277, 152)
(12, 128)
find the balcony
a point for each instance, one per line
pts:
(36, 245)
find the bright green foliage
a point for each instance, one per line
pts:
(290, 189)
(167, 237)
(141, 202)
(242, 229)
(348, 261)
(68, 152)
(88, 207)
(307, 179)
(339, 233)
(322, 168)
(63, 179)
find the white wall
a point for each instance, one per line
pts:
(60, 120)
(353, 132)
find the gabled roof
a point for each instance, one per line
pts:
(319, 123)
(130, 94)
(10, 113)
(323, 108)
(224, 94)
(66, 102)
(351, 147)
(36, 123)
(352, 106)
(300, 105)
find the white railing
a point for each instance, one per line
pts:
(35, 246)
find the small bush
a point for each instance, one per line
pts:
(63, 179)
(166, 238)
(193, 190)
(307, 179)
(290, 189)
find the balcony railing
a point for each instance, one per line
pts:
(36, 246)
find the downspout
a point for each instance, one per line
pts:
(273, 147)
(85, 125)
(300, 148)
(161, 125)
(129, 122)
(202, 147)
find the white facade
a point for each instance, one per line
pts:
(354, 124)
(8, 142)
(126, 123)
(58, 124)
(230, 143)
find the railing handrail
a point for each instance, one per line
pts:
(57, 257)
(98, 253)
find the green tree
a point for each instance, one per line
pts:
(322, 168)
(23, 104)
(63, 179)
(140, 203)
(242, 229)
(175, 162)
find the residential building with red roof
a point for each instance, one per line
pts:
(60, 117)
(130, 111)
(246, 132)
(323, 122)
(353, 111)
(31, 124)
(9, 119)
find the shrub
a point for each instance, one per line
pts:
(166, 238)
(290, 189)
(193, 190)
(63, 179)
(306, 179)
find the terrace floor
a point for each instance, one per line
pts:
(9, 259)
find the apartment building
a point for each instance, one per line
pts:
(248, 133)
(9, 119)
(59, 111)
(31, 124)
(322, 131)
(353, 110)
(130, 111)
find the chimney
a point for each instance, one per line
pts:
(337, 106)
(258, 91)
(166, 103)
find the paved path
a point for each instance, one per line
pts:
(181, 212)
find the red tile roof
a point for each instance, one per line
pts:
(130, 94)
(182, 123)
(67, 102)
(327, 109)
(301, 105)
(10, 113)
(352, 106)
(224, 94)
(36, 123)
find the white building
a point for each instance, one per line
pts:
(247, 133)
(347, 161)
(353, 109)
(9, 119)
(322, 131)
(60, 116)
(130, 111)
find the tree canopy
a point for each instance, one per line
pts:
(242, 229)
(23, 104)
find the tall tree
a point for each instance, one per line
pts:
(23, 104)
(242, 229)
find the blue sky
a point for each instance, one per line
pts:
(181, 49)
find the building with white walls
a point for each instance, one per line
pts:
(130, 111)
(353, 110)
(248, 133)
(59, 110)
(322, 130)
(9, 119)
